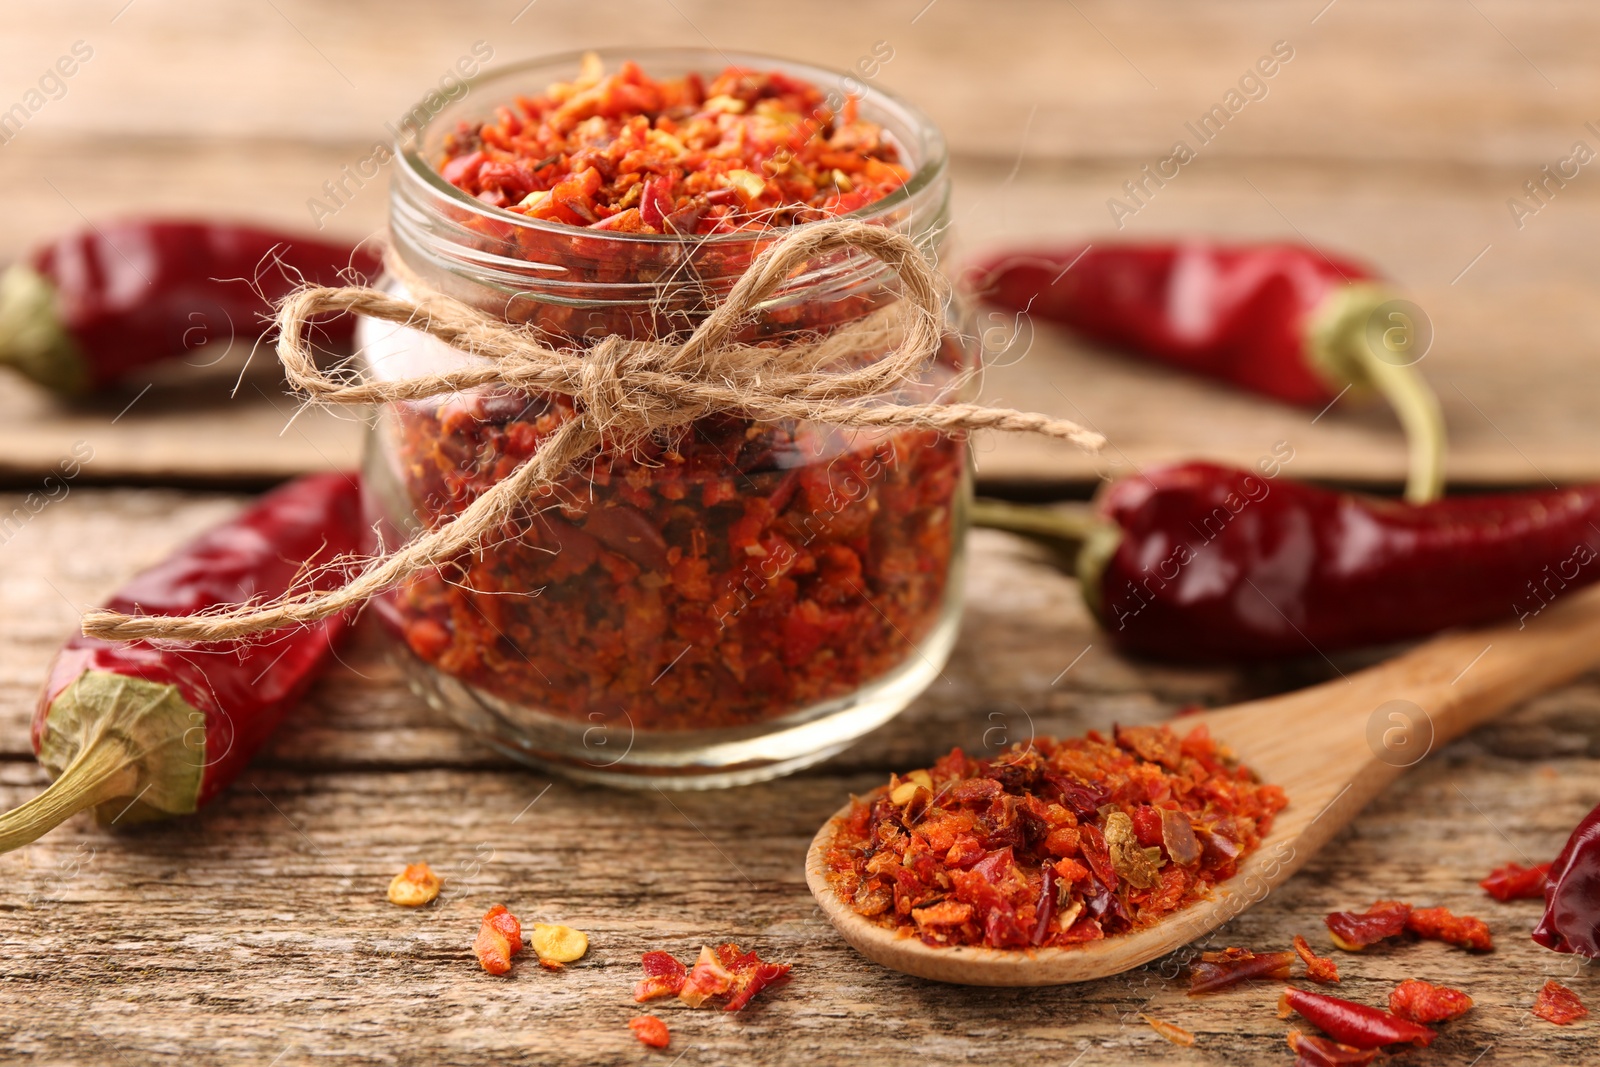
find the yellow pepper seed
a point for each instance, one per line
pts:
(558, 944)
(903, 792)
(414, 886)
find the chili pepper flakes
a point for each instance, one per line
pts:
(1354, 931)
(726, 974)
(1051, 844)
(1318, 968)
(1440, 924)
(1313, 1051)
(729, 579)
(650, 1031)
(1558, 1004)
(1175, 1034)
(1422, 1002)
(499, 939)
(1516, 882)
(1215, 971)
(623, 152)
(415, 886)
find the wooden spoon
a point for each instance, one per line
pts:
(1332, 747)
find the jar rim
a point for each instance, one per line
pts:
(930, 164)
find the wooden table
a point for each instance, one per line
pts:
(257, 933)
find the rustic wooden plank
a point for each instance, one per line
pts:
(1494, 82)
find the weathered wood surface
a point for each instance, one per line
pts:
(1395, 132)
(257, 932)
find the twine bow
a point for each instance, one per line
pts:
(625, 391)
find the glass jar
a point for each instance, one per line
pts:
(727, 605)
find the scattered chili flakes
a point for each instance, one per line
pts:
(1354, 931)
(1422, 1002)
(650, 1031)
(1054, 843)
(726, 973)
(1318, 968)
(1219, 970)
(663, 977)
(558, 944)
(415, 886)
(1558, 1004)
(1311, 1050)
(1175, 1034)
(1516, 882)
(499, 938)
(1440, 924)
(624, 152)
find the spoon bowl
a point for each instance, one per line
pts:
(1332, 748)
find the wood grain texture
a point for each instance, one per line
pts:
(259, 930)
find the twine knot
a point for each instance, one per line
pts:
(623, 390)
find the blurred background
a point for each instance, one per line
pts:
(1397, 133)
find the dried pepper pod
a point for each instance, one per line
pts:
(1278, 319)
(90, 307)
(1571, 920)
(1354, 1024)
(1196, 561)
(137, 731)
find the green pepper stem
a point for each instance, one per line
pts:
(101, 772)
(32, 339)
(1068, 527)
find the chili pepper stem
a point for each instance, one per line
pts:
(101, 772)
(1341, 348)
(32, 339)
(1070, 527)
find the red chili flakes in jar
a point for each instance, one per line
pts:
(627, 153)
(1318, 968)
(1052, 844)
(751, 570)
(1558, 1004)
(650, 1031)
(1422, 1002)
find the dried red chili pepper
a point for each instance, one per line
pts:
(1198, 561)
(1571, 920)
(1318, 968)
(1440, 924)
(499, 938)
(1278, 319)
(1354, 931)
(1422, 1002)
(90, 307)
(1516, 882)
(624, 152)
(967, 860)
(650, 1031)
(1219, 970)
(1558, 1004)
(1312, 1051)
(1354, 1024)
(137, 731)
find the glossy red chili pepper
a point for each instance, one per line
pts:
(1199, 561)
(1355, 1024)
(1282, 320)
(94, 305)
(1571, 920)
(138, 731)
